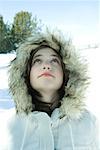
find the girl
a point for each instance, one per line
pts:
(48, 80)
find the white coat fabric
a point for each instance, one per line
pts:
(71, 126)
(38, 131)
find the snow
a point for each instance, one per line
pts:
(5, 59)
(5, 97)
(93, 58)
(4, 63)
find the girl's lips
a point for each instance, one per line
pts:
(46, 74)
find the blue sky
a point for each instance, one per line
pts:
(78, 18)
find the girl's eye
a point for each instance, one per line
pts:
(55, 61)
(37, 61)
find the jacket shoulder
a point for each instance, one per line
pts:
(13, 130)
(89, 116)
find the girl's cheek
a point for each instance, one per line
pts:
(32, 70)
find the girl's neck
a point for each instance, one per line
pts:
(48, 97)
(47, 103)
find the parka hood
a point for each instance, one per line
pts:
(72, 104)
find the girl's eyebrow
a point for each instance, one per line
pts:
(37, 56)
(55, 55)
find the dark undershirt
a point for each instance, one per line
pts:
(46, 107)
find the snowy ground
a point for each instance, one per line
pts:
(5, 98)
(93, 99)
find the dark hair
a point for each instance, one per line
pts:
(35, 94)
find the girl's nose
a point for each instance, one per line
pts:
(46, 66)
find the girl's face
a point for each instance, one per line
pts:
(46, 72)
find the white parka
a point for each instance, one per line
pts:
(71, 126)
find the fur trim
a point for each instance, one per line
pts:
(72, 103)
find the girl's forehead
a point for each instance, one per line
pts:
(46, 52)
